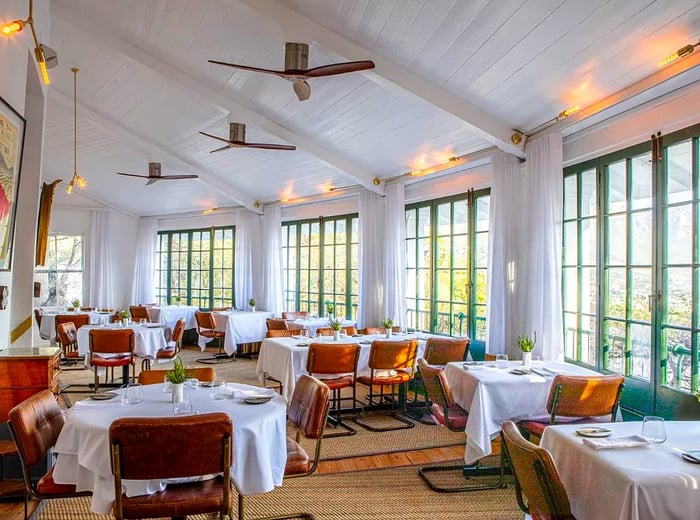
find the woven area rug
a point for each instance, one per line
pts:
(361, 444)
(387, 494)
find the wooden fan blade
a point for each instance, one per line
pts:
(266, 146)
(217, 138)
(338, 68)
(153, 180)
(220, 149)
(280, 73)
(134, 175)
(176, 177)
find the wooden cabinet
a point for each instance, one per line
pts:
(24, 371)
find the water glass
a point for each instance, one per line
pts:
(304, 333)
(133, 394)
(218, 390)
(501, 360)
(167, 385)
(653, 429)
(183, 407)
(143, 321)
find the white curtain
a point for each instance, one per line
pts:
(270, 290)
(543, 305)
(246, 234)
(395, 254)
(101, 293)
(371, 257)
(143, 290)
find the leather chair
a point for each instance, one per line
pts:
(111, 341)
(275, 324)
(152, 377)
(67, 336)
(307, 412)
(79, 320)
(396, 361)
(294, 315)
(369, 331)
(585, 397)
(35, 424)
(174, 345)
(87, 309)
(285, 333)
(350, 330)
(139, 313)
(206, 326)
(336, 366)
(536, 477)
(38, 315)
(200, 445)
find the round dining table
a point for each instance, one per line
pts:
(259, 440)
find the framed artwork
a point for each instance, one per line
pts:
(12, 126)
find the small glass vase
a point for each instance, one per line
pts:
(527, 359)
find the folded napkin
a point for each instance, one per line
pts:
(616, 442)
(89, 403)
(243, 394)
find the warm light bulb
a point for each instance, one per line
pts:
(70, 187)
(209, 211)
(12, 27)
(41, 60)
(683, 51)
(568, 112)
(81, 182)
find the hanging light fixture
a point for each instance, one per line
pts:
(680, 53)
(76, 179)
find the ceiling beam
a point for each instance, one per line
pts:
(150, 147)
(159, 63)
(387, 73)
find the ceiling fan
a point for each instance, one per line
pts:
(237, 140)
(155, 175)
(296, 62)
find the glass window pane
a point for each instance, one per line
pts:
(483, 205)
(459, 223)
(570, 289)
(589, 194)
(679, 228)
(641, 238)
(617, 292)
(679, 296)
(640, 291)
(641, 351)
(571, 243)
(570, 197)
(679, 164)
(617, 187)
(589, 241)
(617, 246)
(641, 181)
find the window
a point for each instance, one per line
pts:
(320, 259)
(62, 277)
(196, 266)
(446, 265)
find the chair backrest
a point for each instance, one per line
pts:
(116, 317)
(274, 324)
(536, 477)
(324, 331)
(178, 332)
(67, 336)
(585, 396)
(87, 309)
(489, 357)
(38, 314)
(294, 315)
(139, 313)
(145, 448)
(333, 358)
(350, 330)
(368, 331)
(308, 412)
(111, 341)
(205, 320)
(436, 385)
(152, 377)
(440, 351)
(274, 333)
(35, 424)
(393, 355)
(77, 319)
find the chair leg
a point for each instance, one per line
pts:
(473, 476)
(336, 420)
(394, 414)
(97, 380)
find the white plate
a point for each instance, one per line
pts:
(104, 396)
(594, 432)
(258, 399)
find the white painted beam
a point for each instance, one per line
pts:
(387, 73)
(157, 62)
(142, 142)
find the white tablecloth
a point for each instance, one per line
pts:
(48, 322)
(285, 361)
(312, 324)
(169, 315)
(643, 483)
(492, 395)
(240, 327)
(147, 339)
(259, 446)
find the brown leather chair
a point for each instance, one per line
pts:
(585, 397)
(336, 366)
(307, 412)
(274, 324)
(368, 331)
(274, 333)
(536, 477)
(152, 377)
(206, 326)
(111, 341)
(294, 315)
(202, 445)
(79, 320)
(173, 349)
(87, 309)
(38, 314)
(350, 330)
(67, 336)
(138, 313)
(35, 425)
(396, 361)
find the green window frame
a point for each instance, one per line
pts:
(62, 276)
(196, 265)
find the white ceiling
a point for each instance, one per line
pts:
(452, 77)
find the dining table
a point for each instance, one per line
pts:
(492, 395)
(47, 329)
(312, 324)
(627, 478)
(170, 314)
(240, 327)
(259, 440)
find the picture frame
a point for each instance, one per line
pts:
(12, 133)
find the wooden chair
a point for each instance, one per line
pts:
(199, 445)
(536, 477)
(174, 345)
(396, 361)
(274, 333)
(35, 425)
(117, 344)
(585, 397)
(294, 315)
(307, 412)
(274, 324)
(336, 366)
(67, 336)
(206, 326)
(152, 377)
(139, 313)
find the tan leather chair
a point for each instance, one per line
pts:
(274, 324)
(206, 326)
(87, 309)
(35, 425)
(350, 330)
(152, 377)
(67, 336)
(173, 350)
(307, 412)
(202, 446)
(294, 315)
(139, 313)
(285, 333)
(368, 331)
(586, 397)
(536, 477)
(111, 341)
(79, 320)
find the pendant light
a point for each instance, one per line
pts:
(76, 179)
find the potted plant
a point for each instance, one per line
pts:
(178, 300)
(330, 309)
(124, 315)
(251, 302)
(336, 325)
(177, 377)
(387, 323)
(76, 305)
(527, 344)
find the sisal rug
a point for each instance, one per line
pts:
(386, 494)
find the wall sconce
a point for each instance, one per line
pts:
(209, 211)
(450, 163)
(562, 115)
(680, 53)
(45, 56)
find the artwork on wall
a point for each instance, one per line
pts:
(12, 127)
